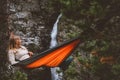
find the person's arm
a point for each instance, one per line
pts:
(29, 52)
(11, 57)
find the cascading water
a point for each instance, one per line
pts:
(53, 43)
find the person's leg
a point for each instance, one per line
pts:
(66, 63)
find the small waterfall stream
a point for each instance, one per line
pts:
(53, 43)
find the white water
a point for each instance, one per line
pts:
(53, 43)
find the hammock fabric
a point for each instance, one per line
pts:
(52, 57)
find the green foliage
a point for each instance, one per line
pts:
(71, 72)
(19, 76)
(14, 75)
(99, 21)
(116, 69)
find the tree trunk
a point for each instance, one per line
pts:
(4, 37)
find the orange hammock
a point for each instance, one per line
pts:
(52, 57)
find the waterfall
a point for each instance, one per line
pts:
(53, 43)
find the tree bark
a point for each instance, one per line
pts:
(4, 39)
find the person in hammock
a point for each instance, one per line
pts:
(17, 52)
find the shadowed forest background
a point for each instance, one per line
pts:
(97, 22)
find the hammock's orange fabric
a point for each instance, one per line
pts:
(54, 58)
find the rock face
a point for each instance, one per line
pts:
(33, 21)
